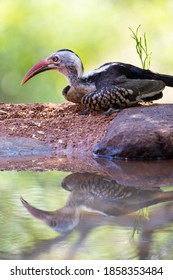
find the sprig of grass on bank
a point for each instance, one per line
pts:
(141, 47)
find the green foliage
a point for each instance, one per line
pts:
(142, 48)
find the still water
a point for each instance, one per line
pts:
(113, 210)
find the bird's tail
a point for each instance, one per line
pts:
(167, 79)
(134, 72)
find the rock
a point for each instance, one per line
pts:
(21, 146)
(140, 132)
(144, 132)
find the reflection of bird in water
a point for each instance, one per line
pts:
(101, 194)
(112, 86)
(98, 194)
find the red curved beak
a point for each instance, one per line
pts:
(35, 212)
(43, 65)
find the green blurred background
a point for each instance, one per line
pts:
(97, 30)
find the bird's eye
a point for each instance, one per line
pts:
(55, 58)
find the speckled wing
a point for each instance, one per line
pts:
(123, 94)
(143, 90)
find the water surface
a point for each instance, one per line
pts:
(120, 211)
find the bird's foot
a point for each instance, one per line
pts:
(145, 103)
(84, 112)
(111, 111)
(106, 113)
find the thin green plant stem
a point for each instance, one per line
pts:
(141, 47)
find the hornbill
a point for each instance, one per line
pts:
(112, 86)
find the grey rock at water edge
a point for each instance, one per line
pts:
(21, 146)
(143, 132)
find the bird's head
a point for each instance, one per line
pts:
(64, 61)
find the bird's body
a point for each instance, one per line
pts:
(112, 86)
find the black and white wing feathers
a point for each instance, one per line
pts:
(121, 85)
